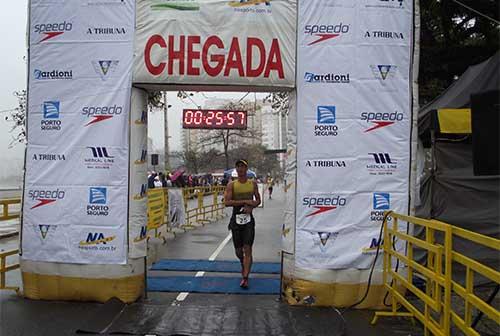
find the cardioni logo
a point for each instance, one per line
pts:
(101, 113)
(323, 32)
(105, 68)
(179, 5)
(52, 30)
(329, 78)
(380, 120)
(45, 197)
(52, 74)
(216, 58)
(323, 204)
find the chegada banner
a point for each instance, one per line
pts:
(76, 180)
(354, 108)
(215, 42)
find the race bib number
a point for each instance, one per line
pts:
(243, 219)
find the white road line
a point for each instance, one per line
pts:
(182, 296)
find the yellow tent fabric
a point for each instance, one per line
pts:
(455, 121)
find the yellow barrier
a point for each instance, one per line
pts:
(4, 268)
(6, 215)
(203, 213)
(437, 315)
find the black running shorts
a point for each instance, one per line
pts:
(243, 234)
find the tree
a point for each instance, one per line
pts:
(18, 118)
(197, 161)
(258, 160)
(280, 102)
(453, 38)
(232, 137)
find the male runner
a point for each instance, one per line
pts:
(243, 195)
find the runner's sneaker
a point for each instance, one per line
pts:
(244, 283)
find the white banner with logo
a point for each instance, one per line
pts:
(354, 109)
(213, 42)
(76, 183)
(138, 174)
(176, 210)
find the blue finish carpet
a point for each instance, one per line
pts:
(223, 285)
(230, 266)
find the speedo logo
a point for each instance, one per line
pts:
(323, 204)
(51, 30)
(45, 197)
(379, 120)
(325, 32)
(101, 113)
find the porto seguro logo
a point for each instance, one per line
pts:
(381, 203)
(326, 119)
(97, 202)
(50, 121)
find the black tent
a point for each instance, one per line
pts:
(449, 190)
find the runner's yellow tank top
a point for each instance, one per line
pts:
(242, 191)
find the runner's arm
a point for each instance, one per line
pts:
(255, 203)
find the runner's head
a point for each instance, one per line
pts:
(241, 168)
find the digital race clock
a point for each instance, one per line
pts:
(214, 119)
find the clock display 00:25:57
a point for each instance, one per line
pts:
(214, 119)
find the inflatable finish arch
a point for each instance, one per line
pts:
(349, 67)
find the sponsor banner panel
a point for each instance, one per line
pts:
(95, 205)
(65, 164)
(206, 49)
(176, 210)
(217, 13)
(325, 211)
(384, 28)
(46, 242)
(52, 97)
(324, 75)
(81, 21)
(333, 27)
(97, 245)
(80, 129)
(402, 7)
(333, 249)
(108, 65)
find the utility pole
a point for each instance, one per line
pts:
(167, 151)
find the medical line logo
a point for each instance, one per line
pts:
(323, 204)
(323, 32)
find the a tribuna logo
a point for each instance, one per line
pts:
(106, 31)
(53, 74)
(384, 35)
(49, 157)
(326, 164)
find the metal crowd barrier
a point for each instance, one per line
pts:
(438, 314)
(6, 214)
(201, 214)
(4, 268)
